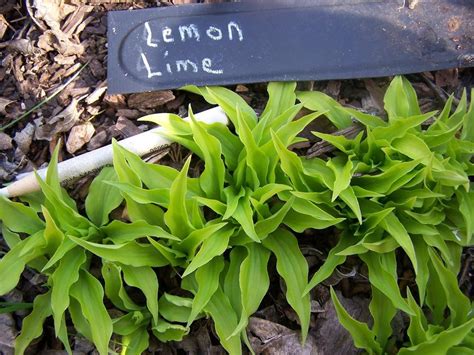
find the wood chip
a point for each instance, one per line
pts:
(79, 136)
(154, 99)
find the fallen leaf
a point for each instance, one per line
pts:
(5, 141)
(79, 135)
(52, 11)
(3, 26)
(57, 40)
(7, 333)
(272, 338)
(60, 123)
(24, 138)
(3, 105)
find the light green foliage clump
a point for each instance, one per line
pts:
(397, 188)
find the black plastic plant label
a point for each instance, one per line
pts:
(219, 44)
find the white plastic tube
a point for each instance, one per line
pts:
(140, 144)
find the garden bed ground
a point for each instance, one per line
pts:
(42, 48)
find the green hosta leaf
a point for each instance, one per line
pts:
(176, 217)
(394, 227)
(366, 119)
(165, 331)
(440, 343)
(244, 215)
(13, 263)
(332, 261)
(149, 213)
(175, 308)
(383, 276)
(398, 128)
(89, 293)
(120, 232)
(207, 279)
(135, 343)
(114, 288)
(169, 254)
(293, 268)
(416, 149)
(212, 178)
(342, 143)
(267, 191)
(213, 246)
(466, 207)
(231, 102)
(231, 285)
(102, 198)
(343, 172)
(65, 275)
(458, 303)
(317, 101)
(131, 253)
(290, 164)
(281, 96)
(144, 278)
(361, 335)
(18, 217)
(349, 197)
(382, 311)
(230, 143)
(421, 250)
(270, 224)
(288, 132)
(254, 282)
(52, 234)
(225, 321)
(400, 99)
(65, 216)
(190, 244)
(143, 196)
(416, 330)
(32, 326)
(468, 122)
(382, 182)
(78, 319)
(256, 159)
(52, 179)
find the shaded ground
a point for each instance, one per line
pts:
(44, 46)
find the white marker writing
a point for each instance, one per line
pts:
(166, 32)
(150, 74)
(206, 66)
(184, 65)
(214, 33)
(231, 25)
(149, 36)
(190, 31)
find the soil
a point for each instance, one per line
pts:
(44, 45)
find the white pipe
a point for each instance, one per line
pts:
(140, 144)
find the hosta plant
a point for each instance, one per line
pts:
(399, 189)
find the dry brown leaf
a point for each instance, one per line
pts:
(3, 26)
(5, 141)
(96, 94)
(52, 11)
(57, 40)
(24, 138)
(62, 122)
(79, 136)
(272, 338)
(3, 105)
